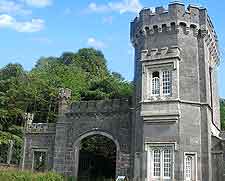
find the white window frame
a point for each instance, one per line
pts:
(166, 82)
(162, 82)
(193, 173)
(159, 162)
(150, 161)
(155, 87)
(169, 162)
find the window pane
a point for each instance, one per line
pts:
(188, 169)
(166, 82)
(167, 163)
(156, 157)
(155, 86)
(155, 74)
(39, 161)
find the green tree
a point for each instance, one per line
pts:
(12, 92)
(92, 62)
(84, 72)
(222, 113)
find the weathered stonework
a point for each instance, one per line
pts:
(187, 120)
(110, 118)
(184, 42)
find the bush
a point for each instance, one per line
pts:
(5, 138)
(8, 175)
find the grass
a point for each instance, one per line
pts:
(16, 175)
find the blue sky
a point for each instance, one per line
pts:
(30, 29)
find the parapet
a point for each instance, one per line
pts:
(102, 106)
(162, 19)
(193, 21)
(40, 128)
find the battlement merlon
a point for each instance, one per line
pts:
(193, 21)
(96, 106)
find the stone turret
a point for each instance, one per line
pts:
(176, 58)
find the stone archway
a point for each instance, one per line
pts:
(91, 157)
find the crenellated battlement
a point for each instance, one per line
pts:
(193, 21)
(162, 20)
(175, 11)
(40, 128)
(94, 106)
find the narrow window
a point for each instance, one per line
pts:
(167, 163)
(166, 82)
(190, 167)
(39, 162)
(155, 84)
(164, 28)
(157, 167)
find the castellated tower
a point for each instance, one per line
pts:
(176, 125)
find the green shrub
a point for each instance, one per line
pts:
(5, 138)
(13, 175)
(70, 178)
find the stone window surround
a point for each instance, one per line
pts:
(148, 149)
(151, 60)
(194, 170)
(39, 150)
(159, 69)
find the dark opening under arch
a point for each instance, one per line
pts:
(97, 158)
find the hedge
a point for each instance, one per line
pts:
(12, 175)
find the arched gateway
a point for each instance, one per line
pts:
(97, 155)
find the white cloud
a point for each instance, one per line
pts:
(34, 25)
(124, 6)
(11, 7)
(38, 3)
(95, 43)
(98, 8)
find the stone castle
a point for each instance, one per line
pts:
(169, 129)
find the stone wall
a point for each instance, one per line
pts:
(61, 141)
(110, 118)
(39, 137)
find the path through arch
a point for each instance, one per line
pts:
(97, 158)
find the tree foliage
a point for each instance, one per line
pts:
(5, 138)
(84, 72)
(12, 92)
(99, 145)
